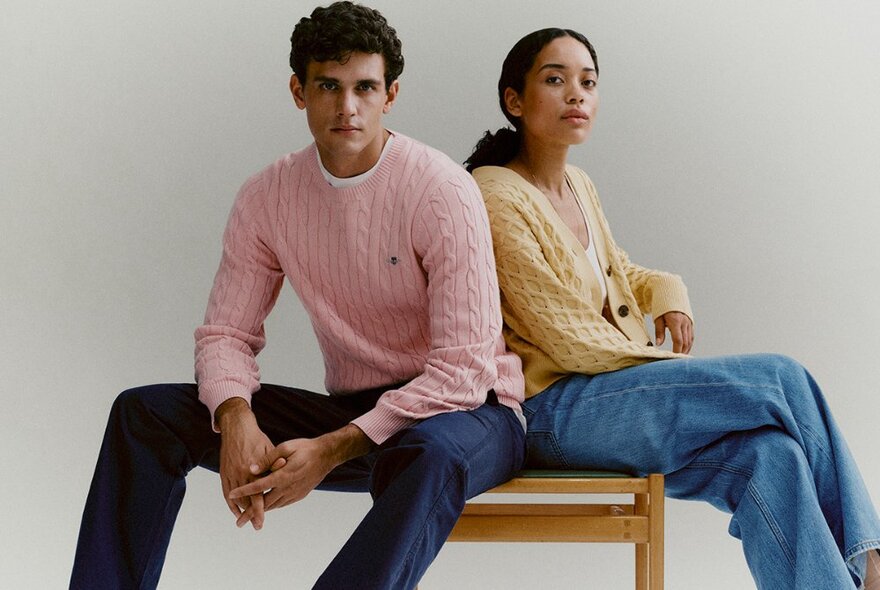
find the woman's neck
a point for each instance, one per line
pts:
(544, 168)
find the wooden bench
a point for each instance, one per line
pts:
(639, 522)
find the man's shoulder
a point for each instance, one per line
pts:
(287, 162)
(434, 164)
(270, 177)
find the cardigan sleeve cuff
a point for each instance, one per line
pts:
(670, 294)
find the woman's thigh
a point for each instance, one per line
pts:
(654, 417)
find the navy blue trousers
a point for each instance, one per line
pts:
(419, 480)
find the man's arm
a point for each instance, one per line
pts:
(245, 289)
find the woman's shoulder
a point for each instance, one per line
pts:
(578, 174)
(496, 174)
(498, 182)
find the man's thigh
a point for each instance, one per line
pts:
(488, 443)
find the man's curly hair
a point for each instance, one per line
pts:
(335, 32)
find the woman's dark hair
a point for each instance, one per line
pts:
(499, 148)
(335, 32)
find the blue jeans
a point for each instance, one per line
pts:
(419, 479)
(751, 435)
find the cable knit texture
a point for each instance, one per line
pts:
(550, 296)
(397, 277)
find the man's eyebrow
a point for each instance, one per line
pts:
(562, 67)
(371, 81)
(325, 79)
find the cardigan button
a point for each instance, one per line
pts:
(608, 270)
(623, 311)
(649, 343)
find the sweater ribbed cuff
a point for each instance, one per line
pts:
(214, 394)
(381, 423)
(670, 294)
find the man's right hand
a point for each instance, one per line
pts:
(242, 445)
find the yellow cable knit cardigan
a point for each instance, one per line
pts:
(550, 296)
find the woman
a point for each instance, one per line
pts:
(751, 435)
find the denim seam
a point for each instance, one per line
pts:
(771, 522)
(756, 496)
(861, 548)
(557, 450)
(722, 466)
(690, 385)
(817, 440)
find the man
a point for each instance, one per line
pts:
(387, 244)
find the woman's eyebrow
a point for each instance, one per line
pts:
(562, 67)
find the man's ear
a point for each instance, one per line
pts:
(297, 91)
(511, 102)
(391, 96)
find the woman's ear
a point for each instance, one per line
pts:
(511, 102)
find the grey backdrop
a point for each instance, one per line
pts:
(737, 144)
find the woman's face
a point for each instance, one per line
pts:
(560, 97)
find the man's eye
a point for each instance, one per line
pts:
(327, 86)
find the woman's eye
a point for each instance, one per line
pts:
(554, 80)
(590, 83)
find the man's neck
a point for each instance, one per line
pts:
(352, 181)
(348, 165)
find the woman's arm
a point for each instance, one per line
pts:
(546, 304)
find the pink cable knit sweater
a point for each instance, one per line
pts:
(397, 276)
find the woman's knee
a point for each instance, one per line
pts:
(780, 365)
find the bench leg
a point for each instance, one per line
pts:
(643, 571)
(649, 556)
(655, 567)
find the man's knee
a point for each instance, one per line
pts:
(143, 401)
(151, 407)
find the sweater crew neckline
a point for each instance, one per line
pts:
(368, 187)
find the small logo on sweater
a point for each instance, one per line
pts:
(394, 260)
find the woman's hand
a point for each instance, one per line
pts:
(680, 327)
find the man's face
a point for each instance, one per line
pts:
(344, 104)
